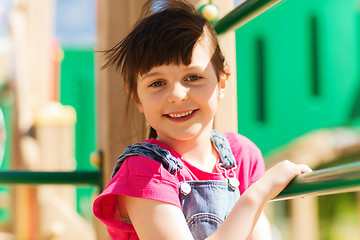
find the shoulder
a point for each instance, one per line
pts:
(142, 172)
(139, 177)
(241, 144)
(151, 152)
(139, 166)
(250, 161)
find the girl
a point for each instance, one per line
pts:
(184, 182)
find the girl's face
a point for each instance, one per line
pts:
(180, 101)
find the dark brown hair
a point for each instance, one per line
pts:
(166, 34)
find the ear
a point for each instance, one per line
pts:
(223, 82)
(138, 104)
(135, 99)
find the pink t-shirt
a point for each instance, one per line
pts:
(143, 177)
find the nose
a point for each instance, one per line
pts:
(178, 93)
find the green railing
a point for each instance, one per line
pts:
(35, 178)
(78, 177)
(242, 14)
(334, 180)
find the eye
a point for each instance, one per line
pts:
(192, 78)
(157, 84)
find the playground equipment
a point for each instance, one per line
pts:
(51, 178)
(242, 14)
(342, 178)
(334, 180)
(41, 133)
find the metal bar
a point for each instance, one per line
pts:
(339, 179)
(334, 180)
(242, 14)
(35, 178)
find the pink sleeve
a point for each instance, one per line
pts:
(139, 177)
(251, 165)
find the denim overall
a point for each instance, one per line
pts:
(205, 203)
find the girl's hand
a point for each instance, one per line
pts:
(278, 177)
(243, 217)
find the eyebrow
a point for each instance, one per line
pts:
(197, 69)
(188, 69)
(150, 74)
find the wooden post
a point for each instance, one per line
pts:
(358, 212)
(304, 216)
(114, 21)
(226, 116)
(55, 133)
(226, 119)
(32, 31)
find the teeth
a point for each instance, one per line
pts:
(179, 115)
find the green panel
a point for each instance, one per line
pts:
(5, 192)
(77, 88)
(296, 70)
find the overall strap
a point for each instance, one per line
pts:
(169, 162)
(222, 145)
(149, 150)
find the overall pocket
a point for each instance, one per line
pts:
(203, 225)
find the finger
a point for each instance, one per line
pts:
(304, 168)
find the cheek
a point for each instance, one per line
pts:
(149, 105)
(152, 113)
(208, 98)
(212, 94)
(213, 102)
(214, 99)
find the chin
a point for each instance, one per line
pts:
(187, 134)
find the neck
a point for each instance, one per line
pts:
(198, 151)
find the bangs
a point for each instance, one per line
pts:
(173, 50)
(162, 41)
(163, 38)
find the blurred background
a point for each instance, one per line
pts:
(297, 96)
(48, 104)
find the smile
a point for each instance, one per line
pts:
(180, 115)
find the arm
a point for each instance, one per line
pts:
(262, 229)
(157, 220)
